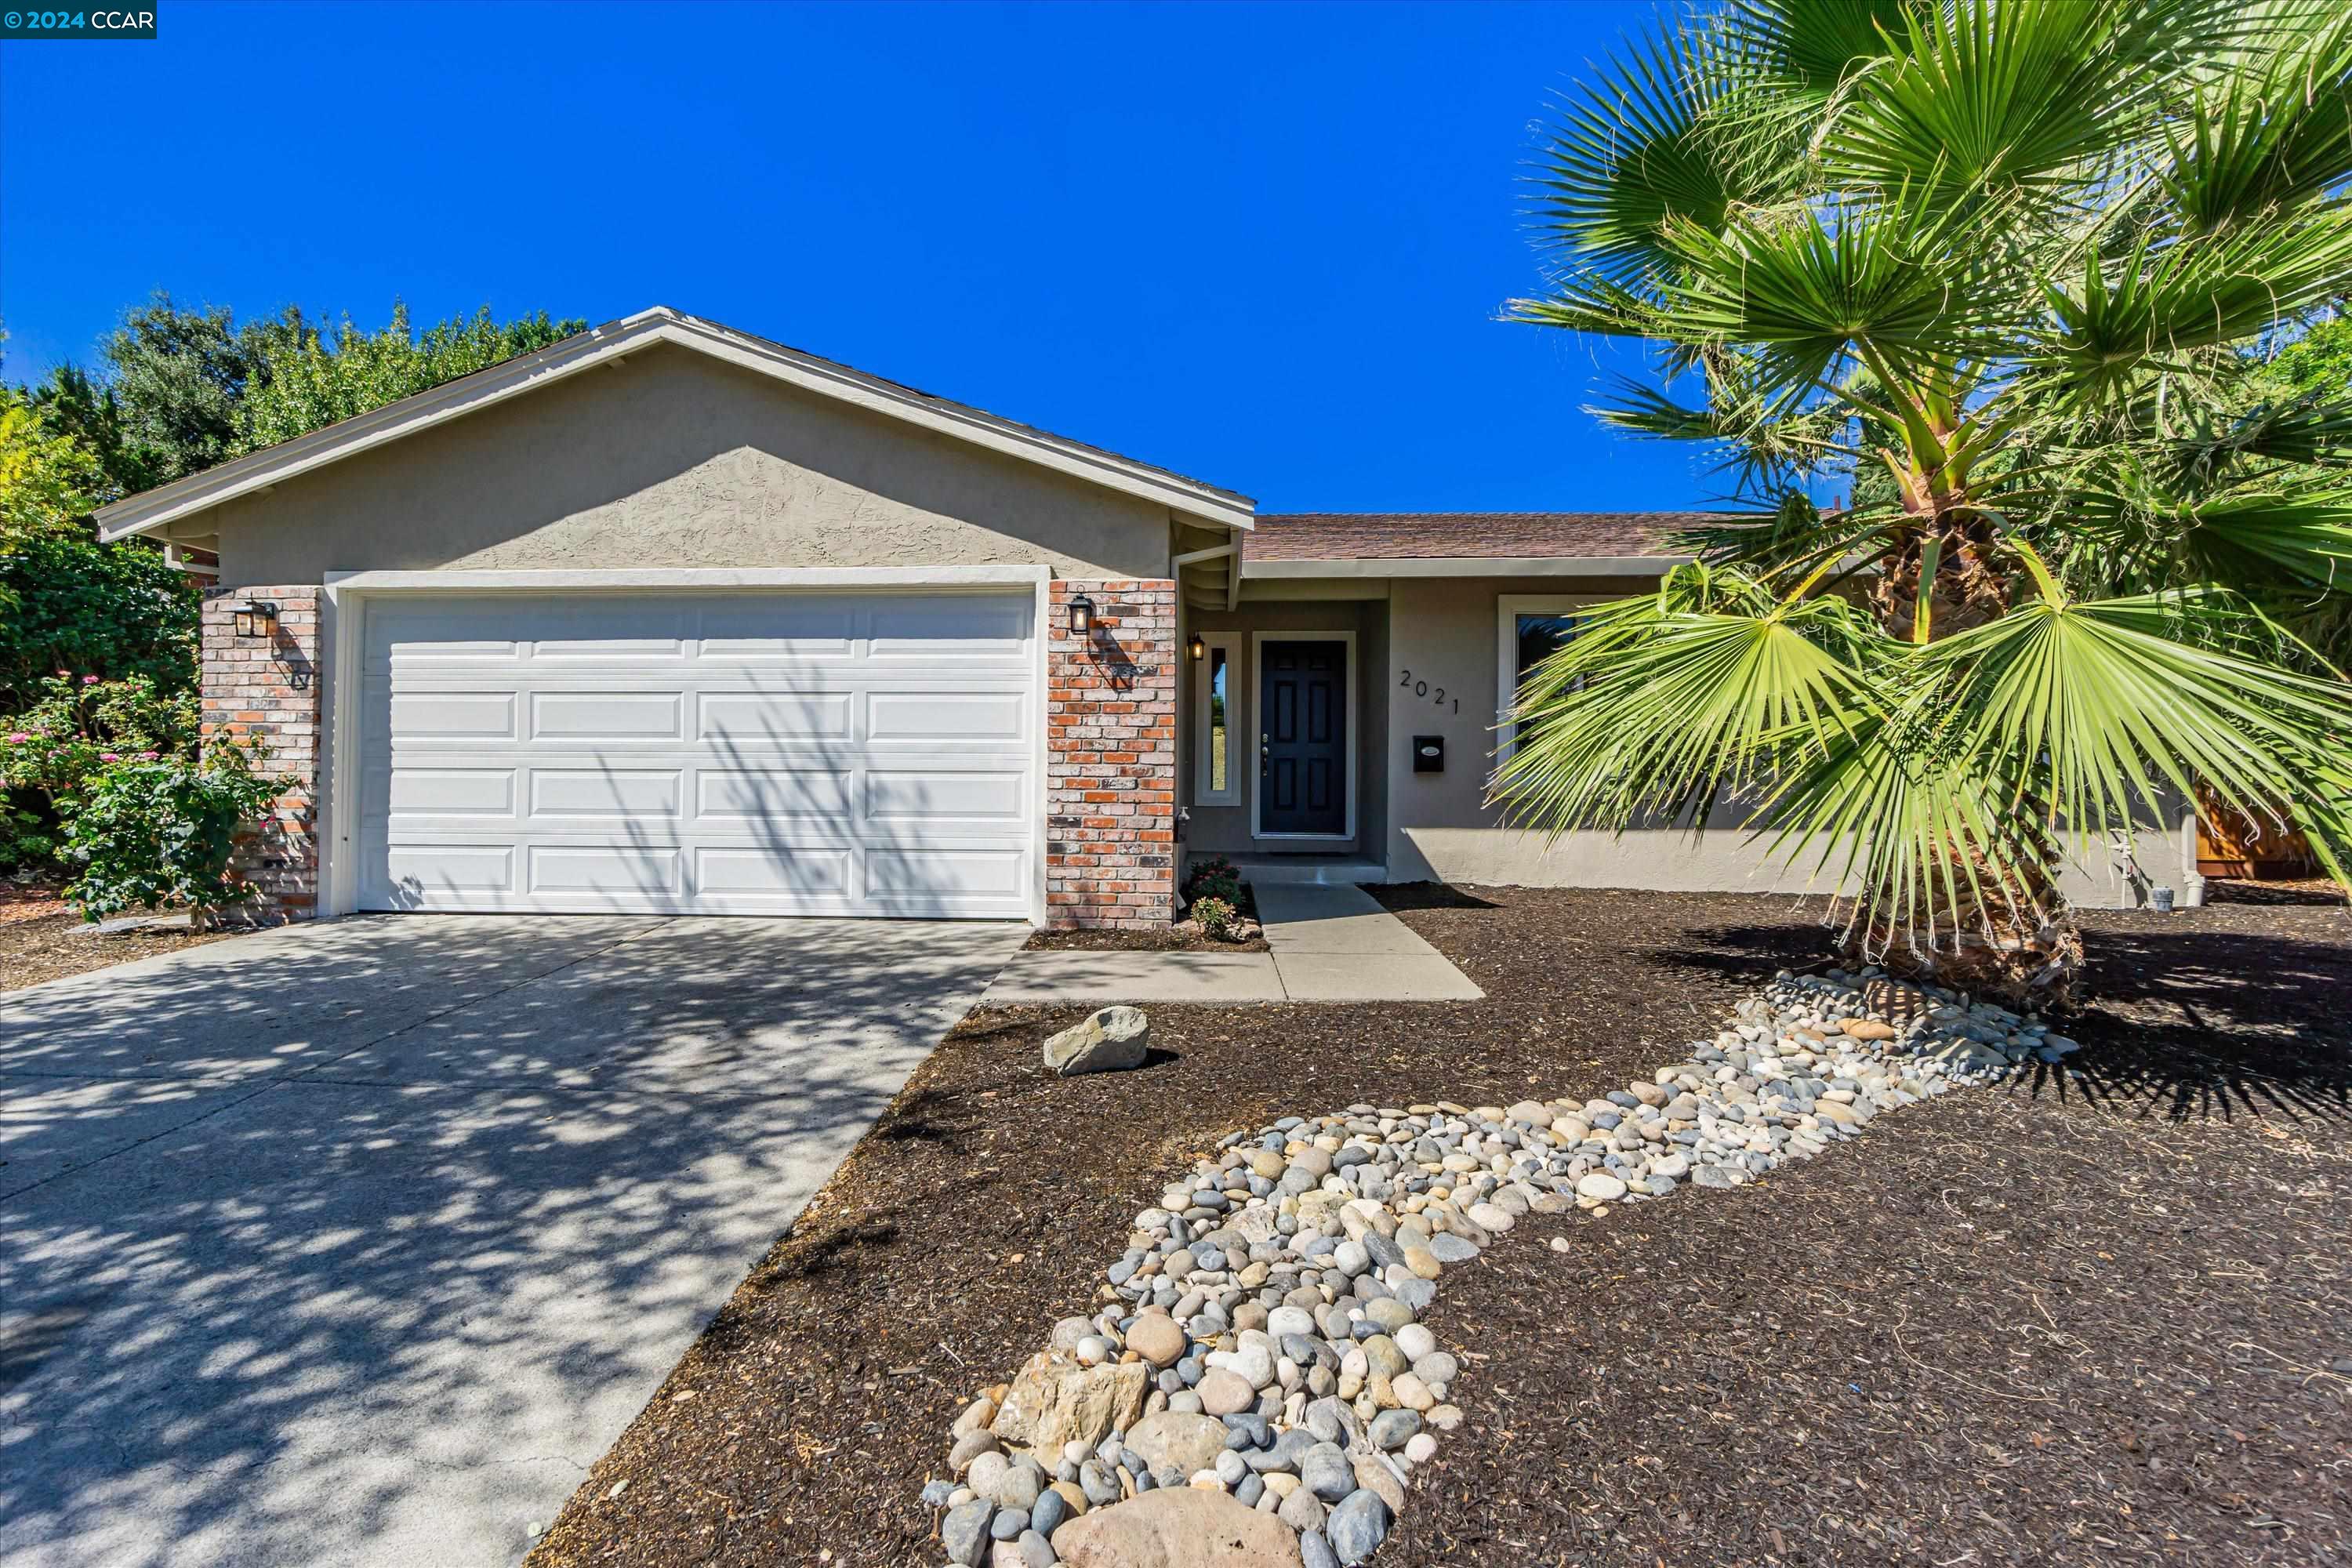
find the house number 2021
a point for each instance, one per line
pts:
(1436, 694)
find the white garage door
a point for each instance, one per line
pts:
(780, 753)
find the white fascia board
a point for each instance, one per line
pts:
(1467, 566)
(601, 346)
(626, 580)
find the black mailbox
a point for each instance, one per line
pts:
(1429, 753)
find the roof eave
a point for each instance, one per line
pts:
(1465, 566)
(436, 406)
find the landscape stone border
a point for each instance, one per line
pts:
(1257, 1388)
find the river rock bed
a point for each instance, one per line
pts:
(1257, 1388)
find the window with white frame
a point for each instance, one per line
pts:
(1216, 781)
(1528, 630)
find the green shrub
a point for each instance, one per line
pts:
(69, 603)
(1216, 918)
(1214, 877)
(77, 725)
(150, 833)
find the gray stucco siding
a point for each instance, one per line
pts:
(673, 460)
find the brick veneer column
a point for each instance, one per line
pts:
(268, 690)
(1110, 761)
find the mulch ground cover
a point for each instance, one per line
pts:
(50, 946)
(2100, 1318)
(1169, 939)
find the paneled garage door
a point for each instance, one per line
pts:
(778, 754)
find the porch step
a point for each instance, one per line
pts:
(1312, 870)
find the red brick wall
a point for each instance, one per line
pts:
(269, 691)
(1110, 758)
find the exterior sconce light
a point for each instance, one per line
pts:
(1196, 648)
(1082, 615)
(256, 618)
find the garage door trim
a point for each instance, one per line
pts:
(348, 594)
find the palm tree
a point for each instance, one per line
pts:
(2006, 272)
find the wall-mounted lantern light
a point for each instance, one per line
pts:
(256, 618)
(1082, 615)
(1196, 648)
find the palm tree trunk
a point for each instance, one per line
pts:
(2009, 936)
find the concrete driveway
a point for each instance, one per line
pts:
(360, 1243)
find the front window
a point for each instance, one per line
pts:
(1213, 715)
(1529, 628)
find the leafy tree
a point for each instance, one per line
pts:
(47, 476)
(2002, 266)
(166, 403)
(314, 378)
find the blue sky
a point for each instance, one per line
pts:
(1262, 245)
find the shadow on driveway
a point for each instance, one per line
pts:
(359, 1242)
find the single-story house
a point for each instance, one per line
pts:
(669, 618)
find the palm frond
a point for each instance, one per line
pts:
(1636, 149)
(1662, 704)
(2261, 141)
(1984, 97)
(2089, 710)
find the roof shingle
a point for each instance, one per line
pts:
(1360, 535)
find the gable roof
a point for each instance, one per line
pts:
(1441, 535)
(601, 346)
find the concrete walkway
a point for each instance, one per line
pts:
(358, 1244)
(1326, 944)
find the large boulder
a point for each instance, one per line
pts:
(1056, 1401)
(1113, 1041)
(1177, 1527)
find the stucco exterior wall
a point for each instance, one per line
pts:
(673, 460)
(1436, 672)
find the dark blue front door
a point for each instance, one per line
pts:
(1302, 776)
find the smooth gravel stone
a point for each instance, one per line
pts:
(1422, 1262)
(1315, 1551)
(1420, 1448)
(964, 1532)
(1230, 1469)
(1249, 1489)
(1283, 1457)
(970, 1446)
(1302, 1511)
(987, 1469)
(1358, 1526)
(1447, 1247)
(1417, 1294)
(1052, 1509)
(1389, 1313)
(1714, 1176)
(1156, 1338)
(1036, 1551)
(1415, 1341)
(1350, 1259)
(1247, 1429)
(1383, 1252)
(1325, 1472)
(1437, 1366)
(1392, 1429)
(1101, 1489)
(1008, 1524)
(1600, 1188)
(1307, 1351)
(1283, 1322)
(1253, 1363)
(1224, 1392)
(1382, 1357)
(1019, 1489)
(936, 1493)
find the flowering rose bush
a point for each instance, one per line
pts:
(150, 832)
(76, 726)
